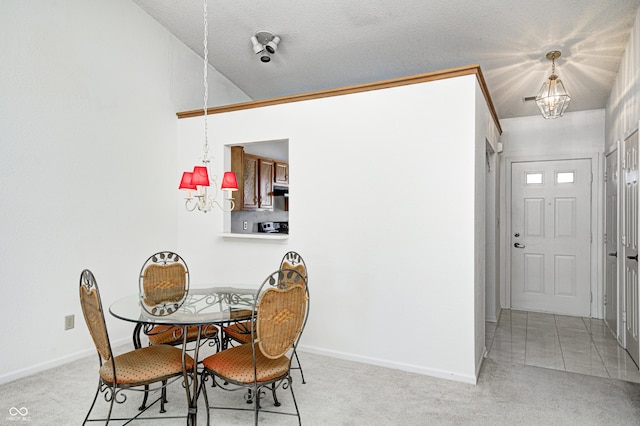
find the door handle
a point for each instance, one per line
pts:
(633, 257)
(613, 254)
(518, 245)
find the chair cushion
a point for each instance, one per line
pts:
(146, 365)
(236, 364)
(240, 331)
(172, 335)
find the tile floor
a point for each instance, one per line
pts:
(573, 344)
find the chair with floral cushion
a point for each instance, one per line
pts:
(279, 316)
(134, 370)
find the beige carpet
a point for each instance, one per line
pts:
(347, 393)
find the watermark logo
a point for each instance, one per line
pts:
(18, 414)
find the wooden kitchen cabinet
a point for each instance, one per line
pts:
(265, 184)
(255, 180)
(251, 196)
(281, 176)
(237, 166)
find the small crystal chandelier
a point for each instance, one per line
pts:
(200, 179)
(553, 99)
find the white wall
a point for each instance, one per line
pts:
(383, 208)
(623, 107)
(622, 116)
(88, 96)
(482, 134)
(576, 134)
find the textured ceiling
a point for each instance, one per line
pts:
(333, 43)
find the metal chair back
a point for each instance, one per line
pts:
(163, 283)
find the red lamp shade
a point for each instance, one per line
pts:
(185, 182)
(229, 182)
(200, 176)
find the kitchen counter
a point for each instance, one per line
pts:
(256, 236)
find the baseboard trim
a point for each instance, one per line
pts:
(15, 375)
(433, 372)
(479, 362)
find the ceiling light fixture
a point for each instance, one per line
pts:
(265, 44)
(553, 99)
(200, 178)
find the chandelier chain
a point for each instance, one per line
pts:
(206, 82)
(204, 201)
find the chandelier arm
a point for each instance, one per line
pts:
(232, 205)
(188, 202)
(213, 199)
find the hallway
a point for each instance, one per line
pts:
(572, 344)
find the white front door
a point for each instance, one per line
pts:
(630, 235)
(551, 236)
(611, 242)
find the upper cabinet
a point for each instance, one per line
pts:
(249, 176)
(281, 173)
(256, 178)
(265, 184)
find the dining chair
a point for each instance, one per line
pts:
(239, 331)
(293, 260)
(279, 316)
(133, 370)
(164, 284)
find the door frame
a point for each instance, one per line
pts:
(597, 223)
(615, 149)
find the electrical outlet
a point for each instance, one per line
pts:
(244, 225)
(69, 321)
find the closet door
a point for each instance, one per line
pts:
(630, 235)
(611, 243)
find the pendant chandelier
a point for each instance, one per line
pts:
(200, 179)
(553, 99)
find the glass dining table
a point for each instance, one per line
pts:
(201, 308)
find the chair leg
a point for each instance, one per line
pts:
(299, 366)
(275, 398)
(144, 399)
(163, 396)
(95, 398)
(256, 401)
(295, 403)
(204, 391)
(113, 398)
